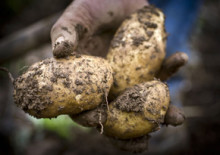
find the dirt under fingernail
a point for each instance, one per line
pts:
(63, 49)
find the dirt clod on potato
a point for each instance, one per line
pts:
(63, 86)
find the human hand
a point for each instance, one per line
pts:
(87, 26)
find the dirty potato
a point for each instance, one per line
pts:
(137, 49)
(137, 111)
(63, 86)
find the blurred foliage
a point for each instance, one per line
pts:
(61, 125)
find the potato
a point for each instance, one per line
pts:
(137, 111)
(137, 49)
(63, 86)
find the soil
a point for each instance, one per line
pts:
(81, 31)
(131, 100)
(27, 98)
(63, 49)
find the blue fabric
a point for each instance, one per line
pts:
(181, 16)
(180, 19)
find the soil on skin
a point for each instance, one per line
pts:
(63, 49)
(23, 96)
(131, 100)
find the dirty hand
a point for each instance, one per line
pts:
(89, 25)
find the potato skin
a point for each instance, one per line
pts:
(63, 86)
(137, 111)
(137, 49)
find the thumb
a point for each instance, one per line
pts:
(83, 18)
(69, 29)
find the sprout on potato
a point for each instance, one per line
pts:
(63, 86)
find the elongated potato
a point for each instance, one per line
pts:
(63, 86)
(138, 111)
(137, 49)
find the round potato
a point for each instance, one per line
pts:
(63, 86)
(137, 49)
(137, 111)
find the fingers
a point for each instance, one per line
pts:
(69, 28)
(174, 116)
(84, 18)
(171, 65)
(97, 45)
(91, 118)
(135, 145)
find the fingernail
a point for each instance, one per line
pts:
(58, 41)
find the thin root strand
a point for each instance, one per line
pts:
(9, 74)
(100, 122)
(106, 99)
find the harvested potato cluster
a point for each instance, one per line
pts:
(63, 86)
(139, 103)
(81, 86)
